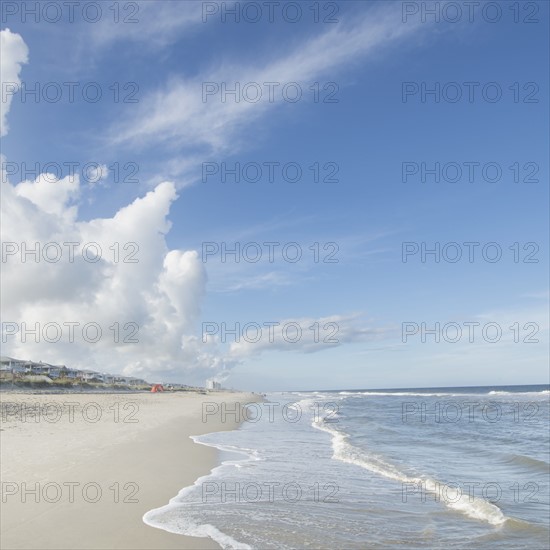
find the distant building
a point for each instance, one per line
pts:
(52, 371)
(20, 368)
(91, 376)
(70, 373)
(13, 366)
(10, 367)
(213, 385)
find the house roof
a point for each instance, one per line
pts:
(6, 359)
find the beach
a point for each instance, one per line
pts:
(79, 471)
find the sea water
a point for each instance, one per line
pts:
(361, 469)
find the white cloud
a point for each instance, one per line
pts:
(158, 297)
(13, 54)
(157, 23)
(303, 335)
(61, 273)
(96, 174)
(50, 195)
(177, 116)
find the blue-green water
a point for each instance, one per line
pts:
(407, 468)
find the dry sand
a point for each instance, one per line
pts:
(126, 447)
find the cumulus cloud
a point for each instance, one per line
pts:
(13, 54)
(116, 276)
(105, 294)
(108, 293)
(50, 195)
(113, 273)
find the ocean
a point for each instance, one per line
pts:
(361, 469)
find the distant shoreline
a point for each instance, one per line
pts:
(26, 386)
(59, 390)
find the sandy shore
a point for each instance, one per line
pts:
(80, 470)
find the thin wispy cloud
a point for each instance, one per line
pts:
(308, 335)
(176, 115)
(157, 23)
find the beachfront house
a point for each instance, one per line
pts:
(72, 374)
(34, 368)
(91, 376)
(52, 371)
(12, 366)
(21, 368)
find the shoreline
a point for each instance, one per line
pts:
(139, 454)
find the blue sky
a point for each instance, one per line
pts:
(369, 212)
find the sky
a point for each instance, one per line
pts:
(278, 196)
